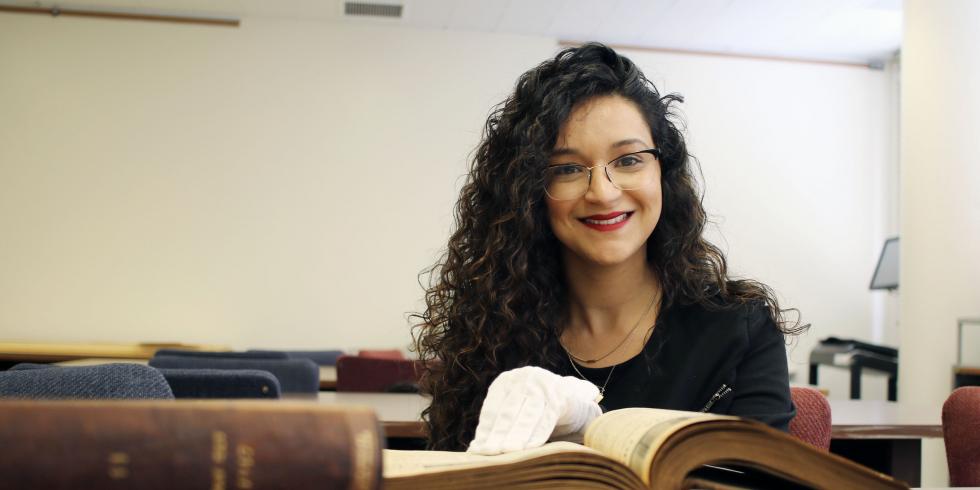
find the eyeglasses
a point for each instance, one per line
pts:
(630, 171)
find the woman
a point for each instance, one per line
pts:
(577, 278)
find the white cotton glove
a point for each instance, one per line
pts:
(526, 406)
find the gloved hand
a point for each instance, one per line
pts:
(526, 406)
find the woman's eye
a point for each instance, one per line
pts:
(628, 161)
(566, 170)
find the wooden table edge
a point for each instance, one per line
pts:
(886, 432)
(404, 429)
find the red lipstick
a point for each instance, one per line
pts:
(607, 222)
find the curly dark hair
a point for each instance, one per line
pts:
(497, 297)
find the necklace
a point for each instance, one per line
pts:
(602, 389)
(620, 344)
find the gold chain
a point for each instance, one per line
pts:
(602, 389)
(620, 344)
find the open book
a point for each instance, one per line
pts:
(637, 448)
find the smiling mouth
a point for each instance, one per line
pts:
(609, 219)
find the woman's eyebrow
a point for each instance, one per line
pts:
(560, 152)
(631, 141)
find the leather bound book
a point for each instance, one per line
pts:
(187, 444)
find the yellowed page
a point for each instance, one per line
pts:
(632, 435)
(410, 463)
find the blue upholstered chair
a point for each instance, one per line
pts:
(222, 383)
(295, 376)
(103, 381)
(251, 354)
(321, 357)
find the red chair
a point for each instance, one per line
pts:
(812, 421)
(381, 353)
(367, 374)
(961, 433)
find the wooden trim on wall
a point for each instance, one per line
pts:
(180, 19)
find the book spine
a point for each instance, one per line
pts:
(213, 444)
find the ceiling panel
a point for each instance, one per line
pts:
(581, 19)
(629, 22)
(830, 30)
(524, 17)
(476, 15)
(433, 14)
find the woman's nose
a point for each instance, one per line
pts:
(600, 187)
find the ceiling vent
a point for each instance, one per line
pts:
(390, 11)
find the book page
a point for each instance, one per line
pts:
(409, 463)
(632, 435)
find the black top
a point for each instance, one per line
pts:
(726, 362)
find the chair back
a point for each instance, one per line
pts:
(101, 381)
(321, 357)
(381, 353)
(367, 374)
(222, 383)
(812, 422)
(251, 354)
(961, 434)
(295, 376)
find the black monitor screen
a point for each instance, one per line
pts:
(886, 274)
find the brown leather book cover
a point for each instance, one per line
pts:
(188, 444)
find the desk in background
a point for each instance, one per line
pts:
(328, 378)
(966, 371)
(856, 356)
(399, 413)
(885, 436)
(966, 376)
(16, 352)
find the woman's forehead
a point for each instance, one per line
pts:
(603, 123)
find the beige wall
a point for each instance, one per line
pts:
(940, 266)
(279, 185)
(795, 158)
(940, 209)
(282, 184)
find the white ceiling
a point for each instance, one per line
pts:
(862, 31)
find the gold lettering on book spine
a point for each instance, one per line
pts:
(365, 452)
(219, 454)
(219, 447)
(244, 462)
(118, 465)
(219, 480)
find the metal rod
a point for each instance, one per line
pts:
(58, 11)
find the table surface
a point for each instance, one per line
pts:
(969, 370)
(52, 352)
(879, 419)
(852, 419)
(328, 377)
(399, 413)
